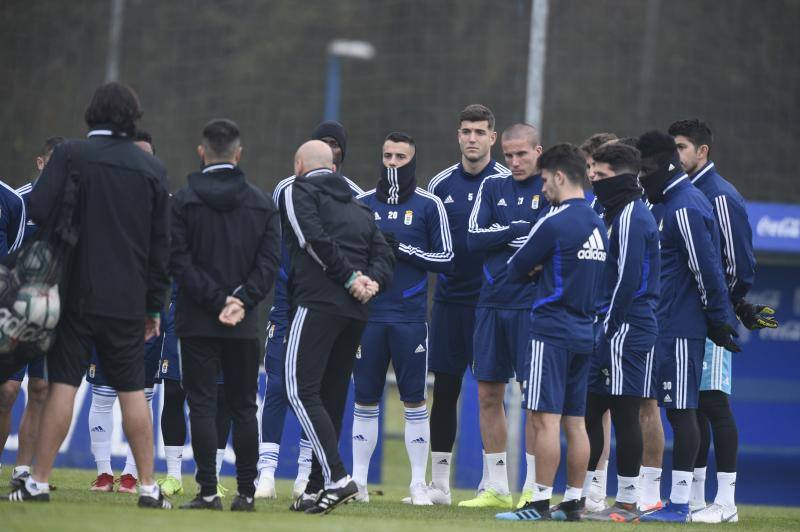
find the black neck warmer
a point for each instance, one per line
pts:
(654, 182)
(397, 184)
(616, 192)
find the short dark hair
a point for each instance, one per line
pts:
(620, 157)
(50, 144)
(566, 158)
(399, 136)
(629, 141)
(475, 113)
(589, 145)
(521, 131)
(693, 129)
(116, 105)
(221, 137)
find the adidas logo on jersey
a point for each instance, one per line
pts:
(419, 440)
(671, 167)
(419, 349)
(502, 203)
(448, 199)
(593, 248)
(377, 216)
(359, 437)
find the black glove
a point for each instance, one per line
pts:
(393, 242)
(722, 334)
(754, 316)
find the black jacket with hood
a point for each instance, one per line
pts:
(331, 235)
(225, 242)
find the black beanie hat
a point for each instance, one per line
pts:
(333, 129)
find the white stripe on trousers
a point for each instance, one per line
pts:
(535, 376)
(293, 394)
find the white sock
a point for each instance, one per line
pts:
(150, 491)
(485, 473)
(498, 472)
(440, 470)
(35, 488)
(681, 486)
(19, 470)
(342, 482)
(572, 494)
(698, 492)
(587, 483)
(597, 491)
(418, 442)
(627, 489)
(268, 459)
(726, 489)
(304, 461)
(220, 458)
(542, 492)
(365, 438)
(174, 456)
(650, 486)
(530, 473)
(101, 425)
(130, 461)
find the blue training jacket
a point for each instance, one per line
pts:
(458, 189)
(30, 227)
(279, 313)
(569, 242)
(420, 226)
(632, 274)
(503, 215)
(693, 290)
(738, 259)
(12, 219)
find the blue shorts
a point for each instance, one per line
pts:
(34, 368)
(680, 367)
(169, 367)
(626, 362)
(152, 358)
(597, 377)
(451, 338)
(500, 343)
(406, 345)
(717, 366)
(555, 379)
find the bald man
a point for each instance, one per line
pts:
(339, 261)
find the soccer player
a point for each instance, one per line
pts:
(273, 409)
(414, 223)
(694, 305)
(629, 297)
(565, 254)
(101, 417)
(37, 385)
(453, 313)
(505, 209)
(339, 260)
(124, 235)
(694, 140)
(225, 253)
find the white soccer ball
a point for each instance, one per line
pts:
(33, 304)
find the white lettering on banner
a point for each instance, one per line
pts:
(786, 227)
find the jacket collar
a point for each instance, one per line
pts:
(675, 182)
(703, 171)
(216, 167)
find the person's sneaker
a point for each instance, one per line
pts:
(103, 482)
(299, 487)
(595, 505)
(363, 493)
(22, 494)
(160, 503)
(716, 513)
(670, 513)
(266, 488)
(419, 495)
(696, 506)
(620, 512)
(571, 510)
(436, 494)
(127, 484)
(649, 508)
(221, 491)
(532, 511)
(489, 498)
(240, 503)
(17, 481)
(199, 503)
(331, 498)
(525, 498)
(170, 486)
(304, 501)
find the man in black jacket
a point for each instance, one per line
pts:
(116, 283)
(225, 247)
(339, 261)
